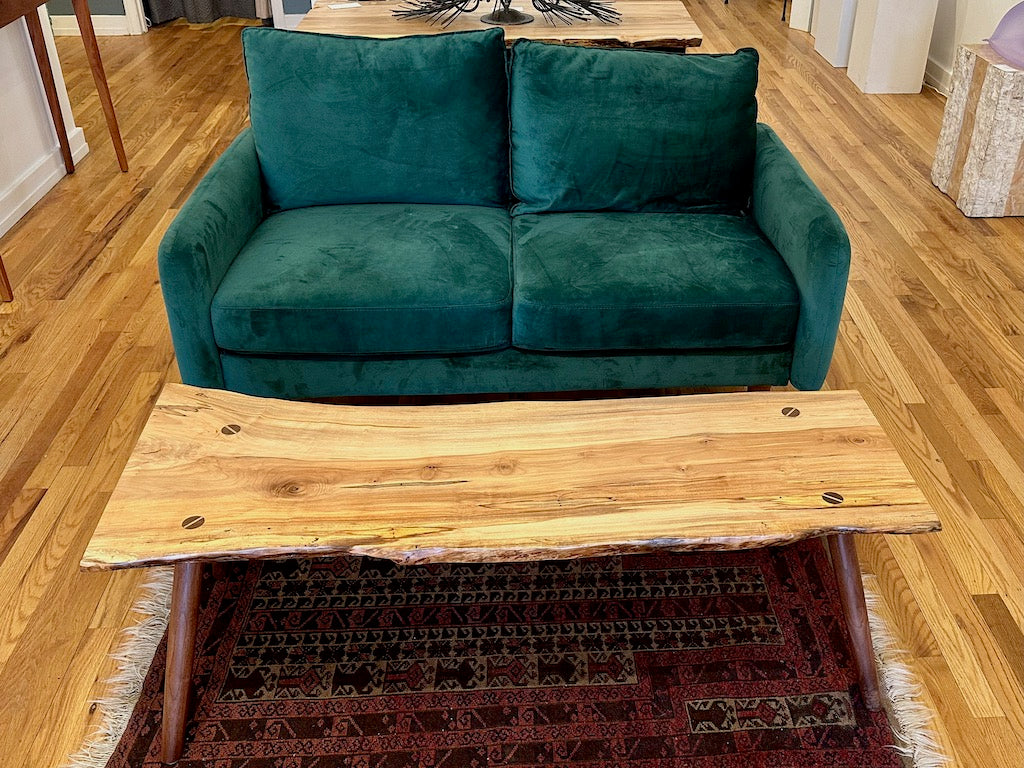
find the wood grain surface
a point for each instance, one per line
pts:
(932, 337)
(222, 475)
(645, 24)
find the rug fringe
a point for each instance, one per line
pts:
(913, 720)
(133, 657)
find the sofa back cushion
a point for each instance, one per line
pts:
(355, 120)
(623, 130)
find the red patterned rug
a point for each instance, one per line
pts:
(726, 659)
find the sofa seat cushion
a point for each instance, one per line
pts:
(370, 280)
(652, 281)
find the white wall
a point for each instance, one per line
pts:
(957, 22)
(30, 161)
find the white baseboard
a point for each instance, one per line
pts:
(937, 76)
(29, 188)
(104, 25)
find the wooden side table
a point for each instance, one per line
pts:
(979, 161)
(12, 10)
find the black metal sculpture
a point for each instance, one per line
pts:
(502, 14)
(568, 11)
(444, 12)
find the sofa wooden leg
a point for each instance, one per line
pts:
(181, 645)
(760, 388)
(851, 595)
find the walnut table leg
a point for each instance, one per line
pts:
(35, 33)
(6, 292)
(181, 644)
(92, 52)
(851, 595)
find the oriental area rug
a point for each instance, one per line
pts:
(724, 659)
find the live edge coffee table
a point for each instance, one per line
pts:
(223, 476)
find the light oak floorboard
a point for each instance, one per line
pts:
(933, 337)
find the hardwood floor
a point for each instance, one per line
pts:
(932, 336)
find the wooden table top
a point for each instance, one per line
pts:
(219, 475)
(645, 24)
(12, 10)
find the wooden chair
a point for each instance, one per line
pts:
(12, 10)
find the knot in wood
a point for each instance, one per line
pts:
(287, 489)
(505, 466)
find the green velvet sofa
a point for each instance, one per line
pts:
(431, 215)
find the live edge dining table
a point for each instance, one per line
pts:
(651, 24)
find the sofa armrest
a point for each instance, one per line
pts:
(807, 232)
(199, 246)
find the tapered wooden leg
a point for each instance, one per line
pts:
(92, 52)
(851, 595)
(6, 293)
(219, 570)
(760, 388)
(35, 33)
(181, 645)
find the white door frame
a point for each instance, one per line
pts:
(284, 20)
(136, 16)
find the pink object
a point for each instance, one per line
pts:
(1008, 39)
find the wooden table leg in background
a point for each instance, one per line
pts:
(92, 52)
(11, 12)
(35, 33)
(6, 293)
(181, 645)
(851, 594)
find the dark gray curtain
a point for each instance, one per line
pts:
(198, 11)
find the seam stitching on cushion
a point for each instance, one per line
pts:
(527, 302)
(500, 303)
(374, 355)
(667, 351)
